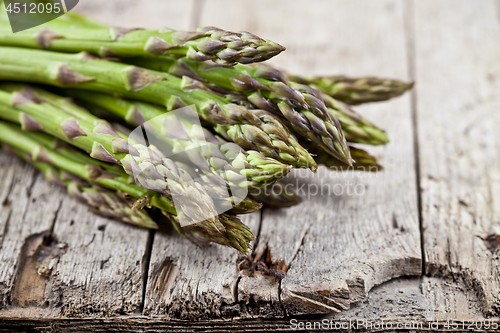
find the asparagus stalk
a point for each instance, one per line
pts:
(355, 91)
(357, 129)
(242, 205)
(248, 169)
(267, 89)
(364, 161)
(254, 81)
(207, 43)
(241, 135)
(146, 164)
(257, 129)
(225, 198)
(279, 195)
(42, 148)
(101, 201)
(240, 239)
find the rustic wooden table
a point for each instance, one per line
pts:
(410, 246)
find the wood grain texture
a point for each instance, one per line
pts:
(450, 300)
(100, 272)
(458, 79)
(28, 210)
(60, 257)
(189, 282)
(58, 261)
(395, 303)
(340, 243)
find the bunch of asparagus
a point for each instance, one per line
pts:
(106, 123)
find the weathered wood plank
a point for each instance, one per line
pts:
(22, 228)
(58, 256)
(458, 79)
(339, 245)
(450, 300)
(190, 282)
(393, 306)
(100, 271)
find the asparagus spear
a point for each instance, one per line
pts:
(279, 195)
(267, 89)
(43, 149)
(258, 129)
(147, 166)
(248, 169)
(252, 81)
(357, 129)
(355, 91)
(312, 116)
(207, 43)
(243, 205)
(240, 240)
(364, 161)
(225, 198)
(99, 200)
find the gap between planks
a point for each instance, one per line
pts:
(409, 14)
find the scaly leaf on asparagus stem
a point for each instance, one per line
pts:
(357, 129)
(355, 91)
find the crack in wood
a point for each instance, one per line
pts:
(301, 244)
(6, 201)
(259, 229)
(409, 15)
(5, 229)
(281, 301)
(91, 241)
(29, 189)
(145, 268)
